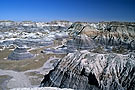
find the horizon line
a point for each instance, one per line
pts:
(67, 20)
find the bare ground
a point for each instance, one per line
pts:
(24, 73)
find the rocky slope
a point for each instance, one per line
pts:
(108, 34)
(85, 71)
(82, 42)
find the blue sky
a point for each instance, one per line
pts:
(72, 10)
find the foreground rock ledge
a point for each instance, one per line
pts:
(85, 71)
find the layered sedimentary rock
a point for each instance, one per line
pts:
(92, 71)
(84, 70)
(81, 42)
(20, 53)
(111, 35)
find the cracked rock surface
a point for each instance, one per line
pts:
(93, 71)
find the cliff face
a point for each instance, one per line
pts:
(109, 35)
(85, 70)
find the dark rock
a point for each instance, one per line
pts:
(91, 71)
(81, 42)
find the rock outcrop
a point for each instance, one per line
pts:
(111, 35)
(20, 53)
(92, 71)
(81, 42)
(83, 69)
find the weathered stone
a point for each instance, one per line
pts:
(82, 42)
(92, 71)
(112, 35)
(20, 53)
